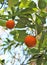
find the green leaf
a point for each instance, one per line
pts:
(17, 35)
(13, 32)
(3, 44)
(39, 28)
(3, 61)
(25, 1)
(45, 40)
(12, 3)
(27, 11)
(20, 35)
(42, 38)
(23, 22)
(45, 63)
(41, 4)
(46, 1)
(2, 23)
(23, 5)
(17, 45)
(5, 50)
(32, 4)
(41, 41)
(43, 14)
(1, 1)
(33, 51)
(39, 61)
(40, 19)
(9, 47)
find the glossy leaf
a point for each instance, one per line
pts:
(41, 4)
(41, 19)
(39, 28)
(13, 32)
(23, 5)
(20, 36)
(11, 3)
(23, 22)
(27, 11)
(32, 51)
(32, 4)
(2, 23)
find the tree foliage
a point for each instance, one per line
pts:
(27, 15)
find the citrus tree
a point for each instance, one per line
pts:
(26, 20)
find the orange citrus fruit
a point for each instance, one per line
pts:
(30, 41)
(10, 24)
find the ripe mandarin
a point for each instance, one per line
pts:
(30, 41)
(10, 24)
